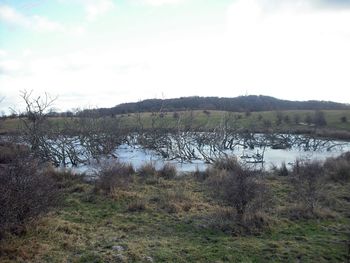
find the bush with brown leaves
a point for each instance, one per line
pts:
(26, 191)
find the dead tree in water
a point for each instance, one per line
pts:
(35, 123)
(66, 141)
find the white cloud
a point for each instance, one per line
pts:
(97, 8)
(42, 24)
(291, 51)
(10, 66)
(161, 2)
(37, 23)
(11, 16)
(27, 52)
(3, 53)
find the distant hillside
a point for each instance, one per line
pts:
(237, 104)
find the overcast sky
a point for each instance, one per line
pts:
(99, 53)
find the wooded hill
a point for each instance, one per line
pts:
(237, 104)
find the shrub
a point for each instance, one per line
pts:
(308, 119)
(320, 119)
(343, 119)
(296, 119)
(297, 212)
(26, 191)
(283, 170)
(239, 188)
(10, 151)
(65, 178)
(201, 175)
(227, 163)
(267, 123)
(307, 184)
(137, 205)
(286, 119)
(279, 118)
(114, 176)
(338, 169)
(175, 200)
(223, 219)
(206, 112)
(168, 171)
(147, 170)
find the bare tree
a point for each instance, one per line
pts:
(35, 122)
(99, 136)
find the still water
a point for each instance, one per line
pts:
(137, 156)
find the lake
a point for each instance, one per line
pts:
(256, 155)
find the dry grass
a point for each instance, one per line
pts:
(177, 220)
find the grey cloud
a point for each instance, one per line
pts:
(271, 4)
(336, 3)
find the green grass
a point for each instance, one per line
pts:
(172, 227)
(201, 120)
(215, 118)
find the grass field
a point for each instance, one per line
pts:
(209, 120)
(175, 220)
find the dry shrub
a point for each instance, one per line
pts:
(298, 212)
(168, 171)
(283, 170)
(239, 188)
(137, 205)
(147, 170)
(338, 169)
(66, 178)
(224, 219)
(26, 191)
(201, 175)
(10, 151)
(227, 163)
(113, 176)
(307, 186)
(175, 200)
(255, 222)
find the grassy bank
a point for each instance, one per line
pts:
(156, 218)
